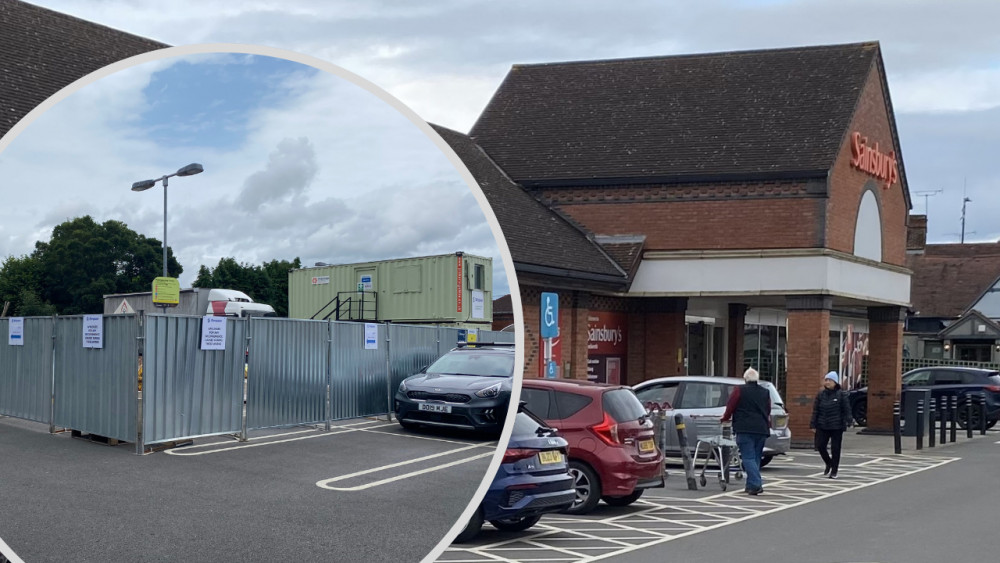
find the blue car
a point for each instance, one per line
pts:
(533, 480)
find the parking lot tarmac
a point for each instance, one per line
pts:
(367, 490)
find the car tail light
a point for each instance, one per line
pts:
(779, 421)
(517, 454)
(994, 388)
(607, 431)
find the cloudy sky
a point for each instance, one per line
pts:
(298, 163)
(444, 59)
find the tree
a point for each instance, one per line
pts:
(20, 284)
(83, 261)
(264, 284)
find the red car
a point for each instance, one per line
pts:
(613, 455)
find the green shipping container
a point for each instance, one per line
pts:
(451, 289)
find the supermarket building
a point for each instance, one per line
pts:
(699, 214)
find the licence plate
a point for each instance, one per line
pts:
(434, 408)
(550, 457)
(646, 446)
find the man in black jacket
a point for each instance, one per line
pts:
(830, 418)
(749, 407)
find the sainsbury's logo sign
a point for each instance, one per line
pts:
(873, 161)
(605, 334)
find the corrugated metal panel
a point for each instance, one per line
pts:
(360, 377)
(26, 371)
(410, 349)
(422, 289)
(96, 388)
(447, 339)
(496, 336)
(288, 372)
(187, 391)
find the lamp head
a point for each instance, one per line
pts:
(191, 170)
(143, 185)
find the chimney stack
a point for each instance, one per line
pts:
(916, 234)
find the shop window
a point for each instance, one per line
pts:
(768, 353)
(751, 348)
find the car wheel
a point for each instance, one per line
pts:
(859, 411)
(516, 524)
(623, 501)
(766, 460)
(588, 488)
(990, 424)
(472, 528)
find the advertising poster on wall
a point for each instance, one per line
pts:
(852, 357)
(607, 346)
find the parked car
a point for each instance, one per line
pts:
(703, 398)
(943, 381)
(612, 451)
(533, 479)
(468, 388)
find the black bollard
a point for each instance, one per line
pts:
(982, 413)
(943, 418)
(953, 416)
(931, 417)
(920, 425)
(897, 434)
(968, 417)
(685, 454)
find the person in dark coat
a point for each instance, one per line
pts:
(830, 418)
(749, 407)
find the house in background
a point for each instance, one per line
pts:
(503, 313)
(955, 296)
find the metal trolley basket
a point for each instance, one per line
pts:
(719, 449)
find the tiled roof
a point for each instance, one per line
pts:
(535, 234)
(768, 112)
(948, 278)
(42, 51)
(625, 250)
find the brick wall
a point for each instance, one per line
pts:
(808, 355)
(847, 183)
(531, 305)
(733, 224)
(573, 309)
(665, 334)
(885, 364)
(635, 366)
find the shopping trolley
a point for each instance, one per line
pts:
(720, 449)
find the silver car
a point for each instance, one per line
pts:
(703, 400)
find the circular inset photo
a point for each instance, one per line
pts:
(248, 310)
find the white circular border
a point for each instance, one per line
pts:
(229, 48)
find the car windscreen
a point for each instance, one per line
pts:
(474, 363)
(623, 405)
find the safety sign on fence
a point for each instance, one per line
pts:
(93, 331)
(213, 333)
(15, 331)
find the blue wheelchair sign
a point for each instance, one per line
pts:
(550, 370)
(550, 315)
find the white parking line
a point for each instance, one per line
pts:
(325, 483)
(490, 445)
(259, 444)
(7, 552)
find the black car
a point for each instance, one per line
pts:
(532, 480)
(467, 388)
(943, 381)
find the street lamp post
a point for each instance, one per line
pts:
(189, 170)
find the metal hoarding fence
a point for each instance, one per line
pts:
(95, 388)
(26, 371)
(288, 372)
(360, 377)
(189, 392)
(412, 348)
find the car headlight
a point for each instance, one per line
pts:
(402, 386)
(489, 392)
